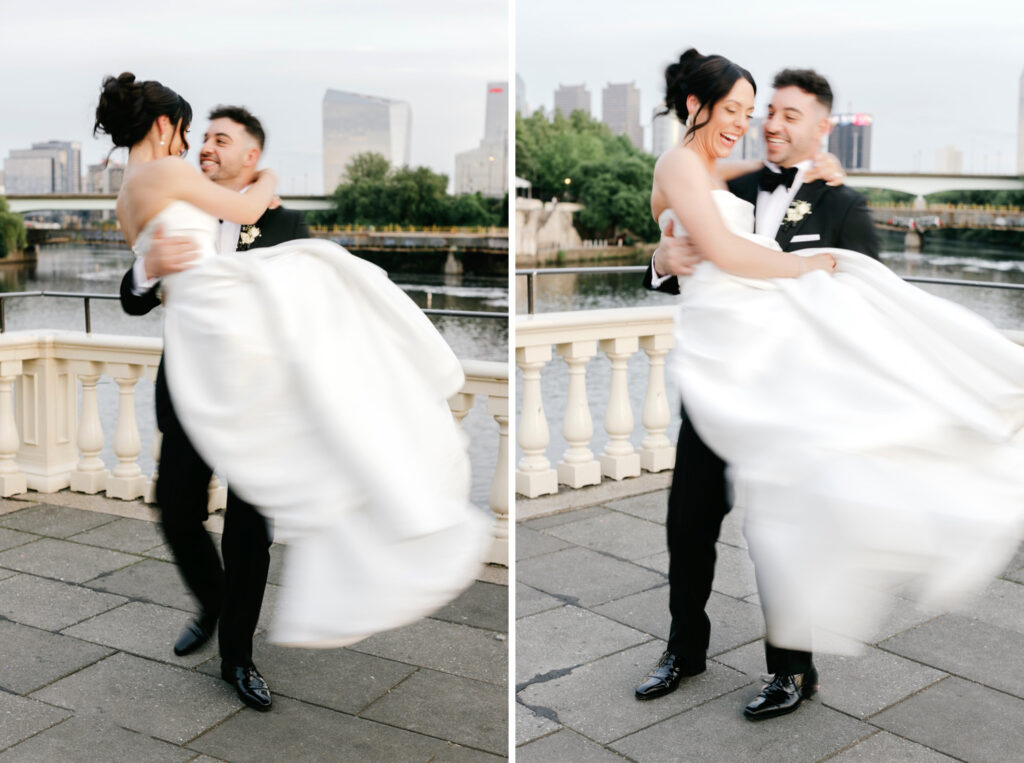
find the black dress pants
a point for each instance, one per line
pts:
(698, 501)
(232, 593)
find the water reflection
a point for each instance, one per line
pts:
(100, 269)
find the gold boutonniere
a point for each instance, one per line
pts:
(797, 211)
(249, 234)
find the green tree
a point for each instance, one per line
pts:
(374, 194)
(13, 237)
(607, 174)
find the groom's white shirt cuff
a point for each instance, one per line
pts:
(657, 280)
(141, 284)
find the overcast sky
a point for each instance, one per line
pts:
(277, 58)
(932, 73)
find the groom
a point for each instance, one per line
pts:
(798, 215)
(233, 594)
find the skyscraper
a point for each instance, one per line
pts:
(51, 167)
(620, 110)
(949, 160)
(357, 124)
(521, 106)
(851, 140)
(484, 169)
(666, 130)
(496, 116)
(569, 98)
(752, 143)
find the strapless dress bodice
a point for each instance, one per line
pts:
(179, 218)
(737, 214)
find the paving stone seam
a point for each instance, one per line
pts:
(948, 672)
(14, 514)
(41, 731)
(113, 653)
(354, 648)
(72, 584)
(403, 728)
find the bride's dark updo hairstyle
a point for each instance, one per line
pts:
(707, 78)
(128, 108)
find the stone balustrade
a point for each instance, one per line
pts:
(577, 337)
(48, 442)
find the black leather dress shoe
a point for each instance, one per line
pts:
(783, 695)
(249, 684)
(196, 633)
(664, 677)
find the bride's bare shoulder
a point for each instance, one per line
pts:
(680, 158)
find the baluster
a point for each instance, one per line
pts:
(158, 439)
(619, 459)
(217, 495)
(461, 404)
(126, 480)
(12, 479)
(89, 476)
(534, 475)
(498, 498)
(656, 451)
(578, 466)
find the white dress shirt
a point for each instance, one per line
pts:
(771, 207)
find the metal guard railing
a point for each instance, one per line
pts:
(531, 275)
(87, 298)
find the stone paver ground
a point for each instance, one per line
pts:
(89, 608)
(592, 618)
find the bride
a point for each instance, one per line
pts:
(313, 384)
(868, 426)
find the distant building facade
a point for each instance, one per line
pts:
(570, 98)
(666, 130)
(751, 145)
(105, 177)
(355, 124)
(496, 114)
(484, 169)
(521, 105)
(850, 140)
(620, 110)
(53, 167)
(949, 160)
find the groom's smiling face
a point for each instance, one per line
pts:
(229, 153)
(796, 123)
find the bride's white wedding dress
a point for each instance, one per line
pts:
(319, 389)
(869, 431)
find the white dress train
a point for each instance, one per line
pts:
(869, 429)
(319, 390)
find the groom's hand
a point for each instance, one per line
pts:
(168, 255)
(675, 256)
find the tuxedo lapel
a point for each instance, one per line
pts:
(810, 193)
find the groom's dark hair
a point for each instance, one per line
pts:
(807, 80)
(241, 115)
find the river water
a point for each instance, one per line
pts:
(99, 270)
(573, 292)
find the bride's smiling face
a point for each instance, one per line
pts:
(729, 120)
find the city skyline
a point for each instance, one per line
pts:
(277, 62)
(944, 77)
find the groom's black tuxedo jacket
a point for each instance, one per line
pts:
(839, 217)
(276, 226)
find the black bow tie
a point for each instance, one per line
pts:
(769, 180)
